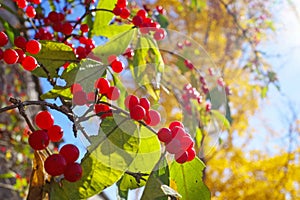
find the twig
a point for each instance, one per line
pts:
(137, 175)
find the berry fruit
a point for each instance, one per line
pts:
(33, 47)
(55, 133)
(131, 101)
(30, 12)
(164, 135)
(10, 56)
(117, 66)
(3, 39)
(181, 157)
(29, 63)
(55, 164)
(80, 98)
(152, 118)
(144, 102)
(44, 120)
(103, 85)
(137, 112)
(73, 172)
(38, 140)
(70, 152)
(175, 123)
(113, 93)
(103, 110)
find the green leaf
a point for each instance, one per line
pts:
(52, 56)
(69, 74)
(110, 154)
(103, 18)
(112, 30)
(148, 155)
(116, 45)
(158, 179)
(264, 92)
(9, 30)
(162, 20)
(187, 178)
(8, 175)
(57, 91)
(87, 73)
(221, 118)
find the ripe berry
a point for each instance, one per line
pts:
(10, 56)
(67, 28)
(103, 110)
(113, 93)
(33, 47)
(103, 85)
(145, 103)
(21, 55)
(186, 143)
(70, 152)
(125, 13)
(189, 64)
(29, 63)
(122, 3)
(79, 98)
(178, 132)
(53, 16)
(117, 10)
(55, 133)
(84, 28)
(22, 3)
(164, 135)
(38, 140)
(152, 118)
(175, 123)
(76, 87)
(208, 107)
(173, 146)
(30, 12)
(129, 52)
(142, 13)
(44, 120)
(137, 112)
(137, 20)
(20, 42)
(73, 172)
(181, 157)
(117, 66)
(55, 165)
(159, 34)
(3, 39)
(191, 154)
(131, 101)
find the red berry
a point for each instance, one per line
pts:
(117, 66)
(145, 103)
(30, 12)
(131, 101)
(164, 135)
(44, 120)
(181, 157)
(55, 165)
(53, 16)
(178, 132)
(3, 39)
(33, 47)
(21, 55)
(55, 133)
(29, 63)
(38, 140)
(129, 52)
(137, 20)
(10, 56)
(152, 118)
(76, 87)
(159, 34)
(79, 98)
(113, 93)
(173, 146)
(73, 172)
(103, 85)
(84, 28)
(160, 10)
(191, 154)
(21, 3)
(70, 152)
(112, 58)
(122, 3)
(186, 142)
(208, 107)
(20, 42)
(117, 10)
(125, 13)
(142, 13)
(175, 123)
(137, 112)
(103, 110)
(67, 28)
(189, 64)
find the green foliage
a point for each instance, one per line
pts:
(188, 180)
(223, 121)
(52, 56)
(57, 91)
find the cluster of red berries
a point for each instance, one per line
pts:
(178, 142)
(64, 163)
(104, 88)
(139, 109)
(55, 164)
(29, 9)
(115, 63)
(17, 55)
(141, 20)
